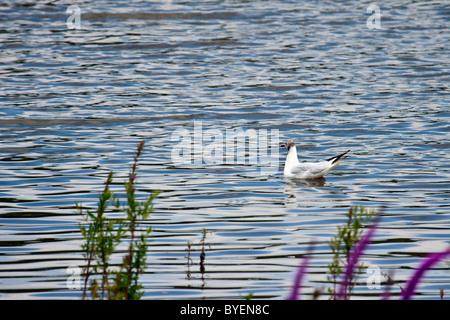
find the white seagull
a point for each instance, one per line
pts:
(307, 170)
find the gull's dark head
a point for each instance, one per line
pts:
(289, 144)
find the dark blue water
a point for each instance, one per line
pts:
(74, 104)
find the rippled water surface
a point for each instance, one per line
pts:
(74, 104)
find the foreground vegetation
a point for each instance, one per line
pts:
(348, 247)
(127, 236)
(103, 235)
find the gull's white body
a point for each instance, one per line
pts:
(307, 170)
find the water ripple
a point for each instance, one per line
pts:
(75, 103)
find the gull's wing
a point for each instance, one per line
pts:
(337, 158)
(313, 170)
(310, 169)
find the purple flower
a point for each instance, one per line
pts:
(353, 259)
(427, 264)
(295, 292)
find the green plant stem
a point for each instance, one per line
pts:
(341, 245)
(102, 235)
(96, 226)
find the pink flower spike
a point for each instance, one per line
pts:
(354, 257)
(295, 292)
(427, 264)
